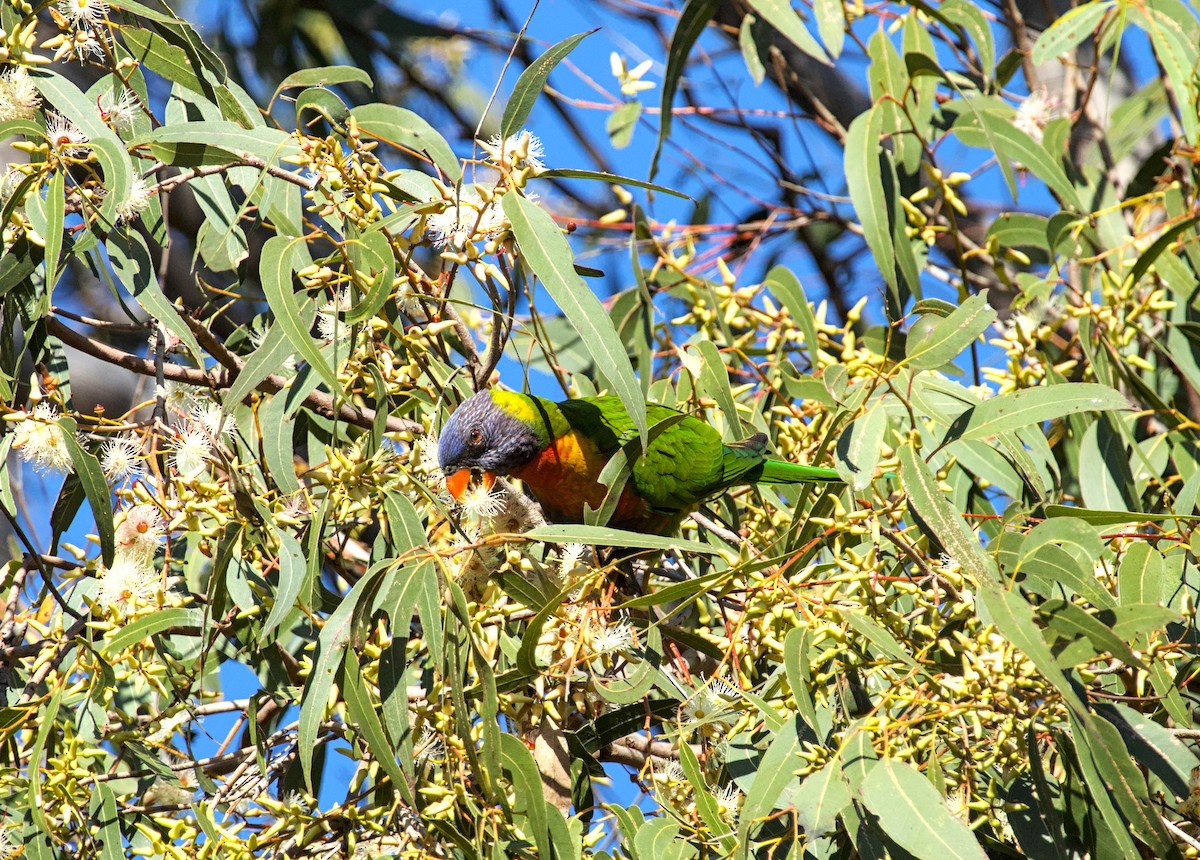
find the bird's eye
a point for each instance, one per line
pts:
(476, 436)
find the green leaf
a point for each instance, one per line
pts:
(863, 165)
(1105, 478)
(135, 270)
(620, 125)
(1030, 406)
(776, 771)
(611, 178)
(994, 130)
(786, 287)
(549, 256)
(281, 257)
(971, 20)
(293, 569)
(149, 625)
(404, 129)
(950, 336)
(529, 86)
(915, 816)
(527, 782)
(1068, 31)
(1141, 576)
(104, 815)
(603, 536)
(940, 518)
(95, 487)
(860, 446)
(831, 24)
(820, 799)
(56, 207)
(692, 22)
(331, 644)
(780, 15)
(323, 76)
(361, 711)
(748, 43)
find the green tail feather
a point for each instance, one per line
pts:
(744, 463)
(779, 472)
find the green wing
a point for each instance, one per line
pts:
(684, 461)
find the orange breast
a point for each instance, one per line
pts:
(563, 478)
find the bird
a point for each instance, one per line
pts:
(558, 450)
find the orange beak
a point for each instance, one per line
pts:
(458, 483)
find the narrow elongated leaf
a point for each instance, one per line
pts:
(995, 130)
(951, 335)
(361, 710)
(1030, 406)
(604, 536)
(149, 625)
(786, 287)
(692, 21)
(942, 520)
(95, 487)
(776, 771)
(135, 270)
(290, 577)
(549, 256)
(529, 86)
(406, 130)
(864, 181)
(780, 15)
(860, 447)
(281, 257)
(331, 645)
(915, 816)
(1067, 32)
(1105, 478)
(612, 178)
(831, 24)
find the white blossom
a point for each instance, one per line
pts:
(41, 442)
(258, 336)
(121, 458)
(568, 559)
(464, 219)
(135, 203)
(427, 454)
(83, 13)
(192, 448)
(212, 418)
(1034, 112)
(64, 136)
(517, 152)
(484, 503)
(120, 111)
(179, 397)
(329, 324)
(129, 583)
(9, 849)
(19, 98)
(727, 802)
(429, 746)
(617, 637)
(139, 533)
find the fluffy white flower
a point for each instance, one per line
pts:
(129, 583)
(212, 418)
(568, 559)
(484, 503)
(727, 802)
(121, 458)
(40, 440)
(83, 13)
(19, 98)
(427, 454)
(9, 848)
(179, 397)
(465, 219)
(517, 152)
(329, 324)
(64, 136)
(1033, 113)
(429, 746)
(139, 533)
(192, 448)
(120, 111)
(618, 637)
(132, 207)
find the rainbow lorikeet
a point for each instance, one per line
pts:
(559, 450)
